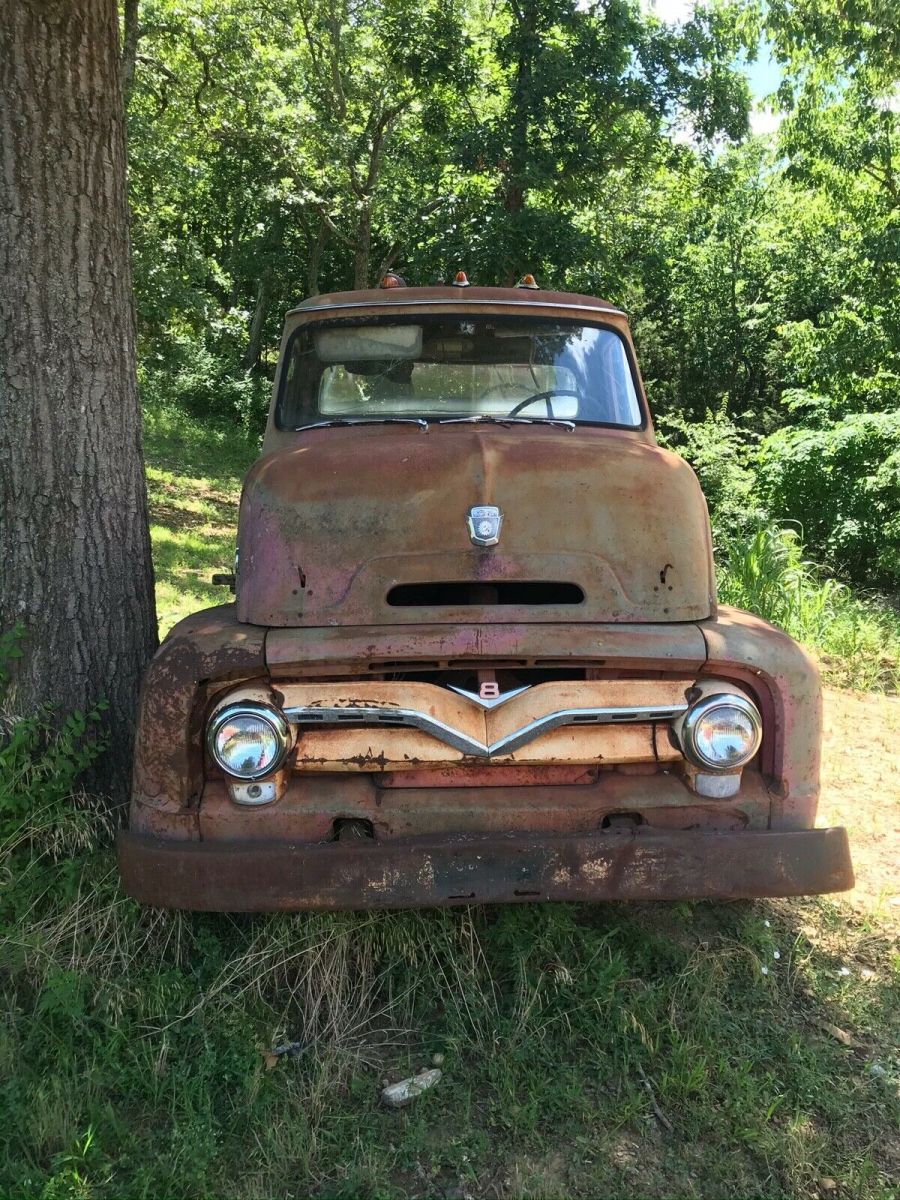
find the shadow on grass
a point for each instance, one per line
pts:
(589, 1051)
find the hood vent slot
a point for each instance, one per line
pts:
(484, 593)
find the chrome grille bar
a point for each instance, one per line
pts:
(372, 716)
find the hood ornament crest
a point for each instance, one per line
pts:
(484, 521)
(489, 694)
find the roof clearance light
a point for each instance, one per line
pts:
(529, 281)
(392, 280)
(459, 280)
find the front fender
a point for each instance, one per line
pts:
(205, 650)
(785, 682)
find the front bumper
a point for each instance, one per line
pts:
(424, 872)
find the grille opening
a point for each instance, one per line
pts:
(489, 592)
(404, 664)
(507, 679)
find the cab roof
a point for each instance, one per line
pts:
(504, 298)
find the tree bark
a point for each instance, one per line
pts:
(254, 339)
(363, 247)
(74, 543)
(515, 175)
(130, 36)
(315, 258)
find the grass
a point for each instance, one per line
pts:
(857, 639)
(643, 1050)
(692, 1050)
(194, 474)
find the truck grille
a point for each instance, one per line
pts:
(412, 719)
(396, 725)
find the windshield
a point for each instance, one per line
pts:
(447, 368)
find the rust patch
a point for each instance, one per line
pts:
(416, 873)
(478, 775)
(206, 651)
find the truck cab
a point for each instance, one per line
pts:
(475, 653)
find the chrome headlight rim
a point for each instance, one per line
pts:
(702, 709)
(260, 712)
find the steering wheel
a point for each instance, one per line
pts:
(546, 397)
(501, 390)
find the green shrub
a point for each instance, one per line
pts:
(841, 483)
(206, 385)
(722, 455)
(44, 813)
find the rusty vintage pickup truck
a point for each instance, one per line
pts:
(475, 653)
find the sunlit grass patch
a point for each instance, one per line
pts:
(193, 514)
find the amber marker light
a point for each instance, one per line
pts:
(529, 281)
(460, 280)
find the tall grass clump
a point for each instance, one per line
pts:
(857, 638)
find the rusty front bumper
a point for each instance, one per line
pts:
(422, 872)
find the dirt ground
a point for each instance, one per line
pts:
(861, 789)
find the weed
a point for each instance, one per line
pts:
(858, 639)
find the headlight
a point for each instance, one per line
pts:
(248, 740)
(721, 732)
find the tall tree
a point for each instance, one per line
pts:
(74, 541)
(578, 91)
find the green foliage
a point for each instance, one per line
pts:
(841, 482)
(857, 639)
(41, 762)
(278, 151)
(722, 456)
(206, 384)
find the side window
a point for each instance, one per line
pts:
(296, 405)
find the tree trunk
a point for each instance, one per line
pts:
(74, 544)
(315, 259)
(363, 247)
(515, 181)
(130, 37)
(254, 340)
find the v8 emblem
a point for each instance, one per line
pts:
(489, 695)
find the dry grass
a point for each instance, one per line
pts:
(861, 789)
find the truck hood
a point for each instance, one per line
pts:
(353, 525)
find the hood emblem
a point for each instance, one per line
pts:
(484, 521)
(488, 695)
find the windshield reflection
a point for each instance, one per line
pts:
(446, 368)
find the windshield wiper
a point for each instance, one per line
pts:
(482, 417)
(363, 421)
(570, 425)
